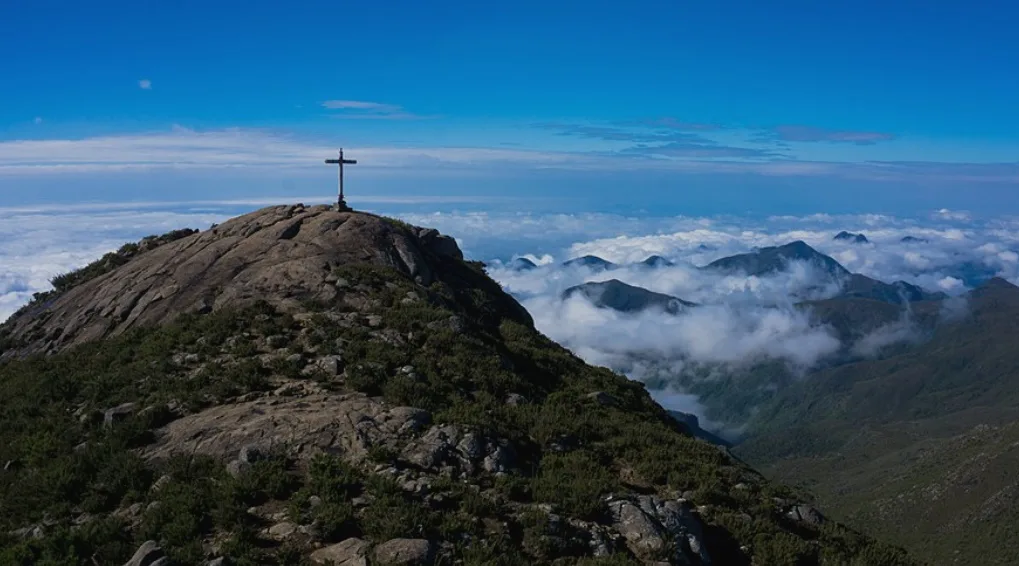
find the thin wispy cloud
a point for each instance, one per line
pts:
(686, 150)
(814, 134)
(37, 120)
(145, 84)
(361, 109)
(675, 124)
(612, 133)
(182, 148)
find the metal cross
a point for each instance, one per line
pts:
(341, 204)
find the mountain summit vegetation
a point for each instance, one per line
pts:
(306, 386)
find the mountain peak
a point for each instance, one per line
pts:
(623, 297)
(773, 259)
(657, 261)
(844, 236)
(282, 255)
(521, 264)
(592, 261)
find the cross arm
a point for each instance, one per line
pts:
(332, 161)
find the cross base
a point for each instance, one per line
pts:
(341, 206)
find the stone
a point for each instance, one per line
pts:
(249, 454)
(281, 531)
(515, 399)
(500, 459)
(314, 501)
(404, 552)
(118, 413)
(351, 552)
(649, 525)
(806, 514)
(236, 468)
(148, 554)
(160, 483)
(374, 320)
(220, 561)
(641, 532)
(331, 365)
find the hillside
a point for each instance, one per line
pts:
(918, 445)
(299, 385)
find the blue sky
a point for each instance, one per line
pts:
(668, 107)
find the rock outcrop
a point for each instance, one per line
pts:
(283, 254)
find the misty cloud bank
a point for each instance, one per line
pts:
(745, 321)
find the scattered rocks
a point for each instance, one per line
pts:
(448, 448)
(148, 554)
(404, 552)
(351, 552)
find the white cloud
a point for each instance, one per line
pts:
(359, 105)
(369, 110)
(258, 149)
(36, 245)
(145, 84)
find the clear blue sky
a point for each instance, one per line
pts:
(711, 106)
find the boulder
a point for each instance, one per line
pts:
(118, 413)
(651, 525)
(806, 514)
(282, 531)
(404, 552)
(148, 554)
(350, 552)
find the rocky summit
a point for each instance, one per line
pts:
(305, 386)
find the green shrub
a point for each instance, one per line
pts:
(576, 482)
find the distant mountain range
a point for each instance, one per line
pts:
(624, 297)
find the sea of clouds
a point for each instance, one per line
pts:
(742, 320)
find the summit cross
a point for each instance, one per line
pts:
(341, 204)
